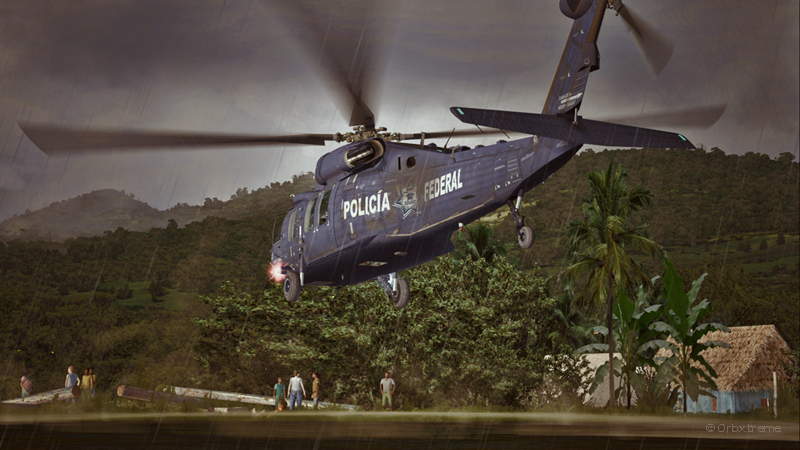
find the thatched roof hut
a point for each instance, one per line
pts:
(744, 371)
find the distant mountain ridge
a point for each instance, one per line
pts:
(83, 216)
(108, 209)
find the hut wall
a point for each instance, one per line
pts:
(727, 402)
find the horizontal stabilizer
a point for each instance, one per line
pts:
(586, 131)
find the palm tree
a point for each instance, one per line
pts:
(479, 243)
(570, 328)
(597, 244)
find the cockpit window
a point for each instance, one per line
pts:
(307, 222)
(323, 208)
(291, 224)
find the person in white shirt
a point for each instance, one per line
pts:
(387, 386)
(296, 391)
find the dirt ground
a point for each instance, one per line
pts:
(389, 431)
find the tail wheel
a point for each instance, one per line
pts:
(291, 286)
(525, 237)
(402, 294)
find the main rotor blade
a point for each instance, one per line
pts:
(345, 45)
(53, 140)
(453, 133)
(702, 117)
(654, 46)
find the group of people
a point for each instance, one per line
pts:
(295, 393)
(293, 396)
(86, 382)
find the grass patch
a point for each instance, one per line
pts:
(173, 299)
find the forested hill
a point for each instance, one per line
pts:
(98, 211)
(699, 196)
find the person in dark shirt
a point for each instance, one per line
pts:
(279, 393)
(315, 389)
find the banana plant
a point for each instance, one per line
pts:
(690, 369)
(635, 338)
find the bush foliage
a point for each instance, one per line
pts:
(474, 334)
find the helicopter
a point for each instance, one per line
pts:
(382, 204)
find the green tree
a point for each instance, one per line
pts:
(474, 333)
(738, 298)
(570, 329)
(598, 244)
(125, 293)
(744, 246)
(479, 243)
(684, 325)
(156, 290)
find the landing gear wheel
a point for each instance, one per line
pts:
(291, 286)
(401, 295)
(525, 237)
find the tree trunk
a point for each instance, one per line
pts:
(628, 384)
(684, 398)
(135, 393)
(612, 401)
(65, 393)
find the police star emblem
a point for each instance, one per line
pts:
(407, 200)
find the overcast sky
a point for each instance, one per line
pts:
(235, 66)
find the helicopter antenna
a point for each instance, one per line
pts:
(448, 138)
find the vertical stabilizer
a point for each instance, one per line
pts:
(580, 57)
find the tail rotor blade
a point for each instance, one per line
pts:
(654, 46)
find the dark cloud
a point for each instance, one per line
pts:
(117, 42)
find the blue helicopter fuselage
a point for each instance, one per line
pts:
(400, 209)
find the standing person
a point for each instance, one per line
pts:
(279, 392)
(296, 391)
(315, 389)
(94, 379)
(387, 390)
(26, 384)
(72, 379)
(87, 383)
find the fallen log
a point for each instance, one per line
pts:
(135, 393)
(47, 397)
(245, 398)
(224, 396)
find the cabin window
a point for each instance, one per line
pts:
(291, 224)
(411, 162)
(323, 208)
(309, 215)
